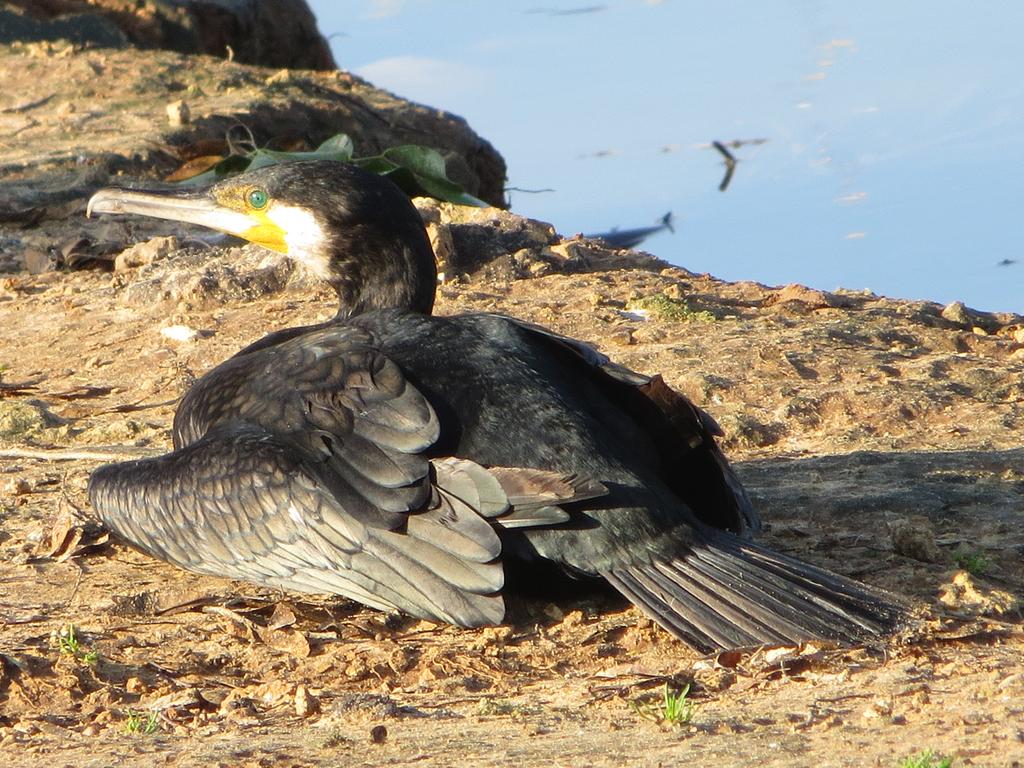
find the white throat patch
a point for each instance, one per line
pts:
(304, 237)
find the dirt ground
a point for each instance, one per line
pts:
(877, 438)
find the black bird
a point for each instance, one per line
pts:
(730, 164)
(729, 158)
(406, 460)
(630, 238)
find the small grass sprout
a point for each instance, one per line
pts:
(926, 759)
(975, 563)
(335, 738)
(674, 708)
(146, 723)
(666, 308)
(68, 643)
(499, 707)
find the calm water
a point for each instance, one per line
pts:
(895, 132)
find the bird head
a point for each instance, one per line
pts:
(352, 228)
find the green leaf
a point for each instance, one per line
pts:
(417, 170)
(422, 161)
(429, 170)
(229, 166)
(376, 164)
(339, 146)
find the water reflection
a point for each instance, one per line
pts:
(895, 129)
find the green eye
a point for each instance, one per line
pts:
(257, 198)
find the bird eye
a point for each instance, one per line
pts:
(257, 198)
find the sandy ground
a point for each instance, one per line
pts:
(876, 437)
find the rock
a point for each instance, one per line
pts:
(179, 333)
(647, 334)
(746, 431)
(178, 114)
(20, 420)
(364, 706)
(306, 704)
(280, 77)
(74, 151)
(479, 236)
(17, 486)
(812, 298)
(676, 292)
(914, 537)
(879, 707)
(956, 312)
(145, 252)
(966, 593)
(716, 679)
(569, 254)
(538, 268)
(623, 337)
(38, 260)
(35, 23)
(212, 278)
(482, 252)
(971, 319)
(278, 34)
(440, 237)
(553, 612)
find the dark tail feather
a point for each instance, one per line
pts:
(730, 593)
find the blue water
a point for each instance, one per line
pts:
(895, 153)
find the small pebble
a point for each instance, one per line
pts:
(378, 734)
(180, 333)
(878, 708)
(279, 77)
(623, 338)
(18, 486)
(305, 703)
(178, 114)
(956, 312)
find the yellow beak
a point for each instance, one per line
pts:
(192, 208)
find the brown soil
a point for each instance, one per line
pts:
(877, 438)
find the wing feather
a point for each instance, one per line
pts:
(300, 465)
(271, 520)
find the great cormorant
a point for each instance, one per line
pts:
(404, 460)
(630, 238)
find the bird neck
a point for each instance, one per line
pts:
(383, 269)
